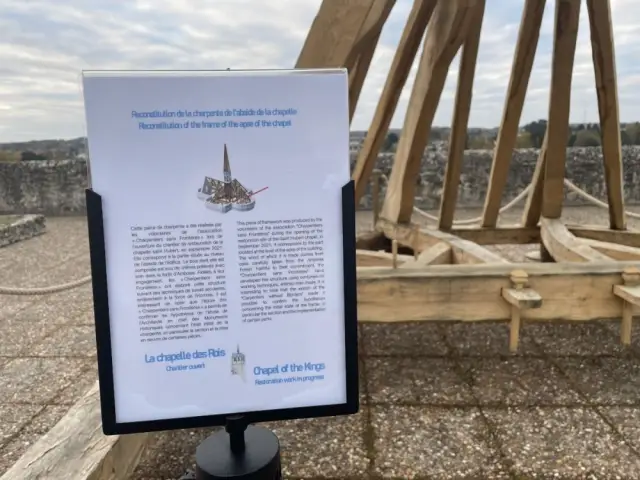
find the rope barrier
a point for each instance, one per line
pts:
(44, 290)
(470, 221)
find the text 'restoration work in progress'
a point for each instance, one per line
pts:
(222, 209)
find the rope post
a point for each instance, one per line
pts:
(629, 292)
(375, 196)
(394, 253)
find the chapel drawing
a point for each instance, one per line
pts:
(226, 194)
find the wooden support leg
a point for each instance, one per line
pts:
(458, 137)
(375, 196)
(604, 63)
(405, 54)
(520, 74)
(448, 29)
(567, 17)
(520, 297)
(629, 292)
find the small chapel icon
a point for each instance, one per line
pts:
(237, 363)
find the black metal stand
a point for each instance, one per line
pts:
(241, 452)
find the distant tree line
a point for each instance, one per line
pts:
(532, 135)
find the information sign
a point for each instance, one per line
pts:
(221, 224)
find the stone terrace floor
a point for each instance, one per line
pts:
(439, 401)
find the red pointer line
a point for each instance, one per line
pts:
(261, 190)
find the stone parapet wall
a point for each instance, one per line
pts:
(584, 168)
(49, 188)
(57, 188)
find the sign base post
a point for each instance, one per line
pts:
(243, 451)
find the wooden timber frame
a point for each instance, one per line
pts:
(444, 272)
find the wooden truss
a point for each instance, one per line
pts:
(445, 272)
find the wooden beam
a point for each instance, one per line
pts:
(365, 48)
(447, 31)
(403, 59)
(366, 258)
(573, 292)
(630, 238)
(523, 57)
(567, 16)
(533, 205)
(613, 250)
(76, 449)
(604, 63)
(420, 239)
(521, 297)
(563, 246)
(458, 136)
(334, 34)
(498, 236)
(438, 254)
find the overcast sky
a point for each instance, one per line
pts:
(44, 44)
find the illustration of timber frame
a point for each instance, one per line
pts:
(412, 273)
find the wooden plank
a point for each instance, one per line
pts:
(563, 246)
(438, 254)
(499, 235)
(523, 57)
(573, 291)
(567, 16)
(448, 29)
(419, 239)
(630, 238)
(76, 449)
(403, 59)
(364, 49)
(366, 258)
(613, 250)
(334, 33)
(604, 63)
(458, 136)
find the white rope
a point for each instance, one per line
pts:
(470, 221)
(598, 203)
(573, 187)
(44, 290)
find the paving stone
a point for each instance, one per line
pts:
(518, 381)
(14, 449)
(68, 341)
(13, 418)
(425, 381)
(37, 380)
(20, 337)
(579, 339)
(605, 380)
(434, 443)
(81, 385)
(420, 338)
(485, 340)
(562, 443)
(331, 447)
(625, 420)
(169, 454)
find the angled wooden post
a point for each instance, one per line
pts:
(567, 16)
(520, 73)
(448, 29)
(604, 63)
(458, 137)
(405, 54)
